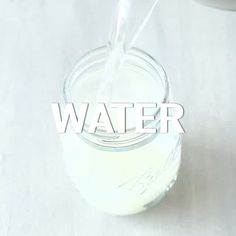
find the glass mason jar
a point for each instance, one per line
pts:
(126, 173)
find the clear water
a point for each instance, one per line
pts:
(130, 18)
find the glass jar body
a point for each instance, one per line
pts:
(120, 175)
(126, 182)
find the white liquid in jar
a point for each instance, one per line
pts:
(129, 181)
(121, 183)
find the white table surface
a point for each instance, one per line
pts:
(39, 43)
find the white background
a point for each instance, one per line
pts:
(40, 41)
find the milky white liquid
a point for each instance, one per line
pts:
(121, 183)
(128, 181)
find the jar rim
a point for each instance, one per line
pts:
(116, 141)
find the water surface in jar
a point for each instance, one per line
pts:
(133, 84)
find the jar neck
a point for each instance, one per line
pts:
(131, 139)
